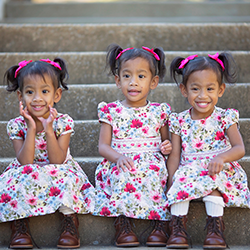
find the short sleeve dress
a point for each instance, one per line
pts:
(138, 193)
(41, 188)
(202, 140)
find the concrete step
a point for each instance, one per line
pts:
(89, 67)
(89, 165)
(97, 232)
(96, 37)
(128, 9)
(81, 100)
(85, 141)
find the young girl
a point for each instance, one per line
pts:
(206, 144)
(131, 180)
(43, 177)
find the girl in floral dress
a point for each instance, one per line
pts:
(206, 145)
(44, 177)
(131, 180)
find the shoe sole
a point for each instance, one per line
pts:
(21, 246)
(68, 247)
(155, 244)
(134, 244)
(211, 247)
(177, 246)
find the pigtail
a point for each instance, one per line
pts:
(112, 52)
(161, 64)
(230, 72)
(63, 74)
(10, 80)
(174, 68)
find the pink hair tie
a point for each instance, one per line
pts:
(216, 58)
(152, 51)
(186, 60)
(52, 63)
(123, 52)
(21, 65)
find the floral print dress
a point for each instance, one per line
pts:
(138, 193)
(41, 188)
(201, 141)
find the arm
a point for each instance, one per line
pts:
(57, 148)
(109, 153)
(173, 160)
(235, 153)
(166, 145)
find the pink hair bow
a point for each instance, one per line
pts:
(186, 60)
(152, 51)
(21, 65)
(216, 58)
(123, 52)
(52, 63)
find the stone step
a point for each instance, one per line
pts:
(81, 100)
(89, 67)
(98, 232)
(89, 165)
(96, 37)
(85, 141)
(128, 9)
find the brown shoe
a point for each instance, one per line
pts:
(179, 236)
(215, 238)
(124, 236)
(159, 235)
(20, 237)
(70, 236)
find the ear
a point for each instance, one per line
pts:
(118, 81)
(222, 89)
(154, 82)
(19, 95)
(183, 90)
(58, 95)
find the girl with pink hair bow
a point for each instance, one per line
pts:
(131, 180)
(43, 178)
(206, 146)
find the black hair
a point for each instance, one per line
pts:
(156, 67)
(229, 74)
(37, 68)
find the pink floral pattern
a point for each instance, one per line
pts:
(201, 141)
(41, 188)
(138, 193)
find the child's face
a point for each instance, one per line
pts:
(37, 95)
(135, 81)
(202, 91)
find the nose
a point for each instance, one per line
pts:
(133, 82)
(37, 98)
(202, 94)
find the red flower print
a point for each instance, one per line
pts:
(85, 186)
(5, 198)
(99, 176)
(136, 124)
(220, 136)
(67, 127)
(13, 204)
(42, 145)
(182, 195)
(129, 188)
(203, 173)
(21, 134)
(105, 211)
(154, 167)
(105, 109)
(35, 175)
(32, 200)
(112, 105)
(163, 116)
(154, 215)
(27, 170)
(229, 185)
(107, 195)
(136, 157)
(225, 198)
(138, 196)
(54, 191)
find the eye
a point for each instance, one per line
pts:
(141, 76)
(210, 89)
(45, 91)
(194, 89)
(126, 76)
(29, 92)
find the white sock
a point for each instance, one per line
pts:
(180, 208)
(214, 205)
(66, 210)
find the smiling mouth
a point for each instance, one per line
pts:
(202, 104)
(38, 107)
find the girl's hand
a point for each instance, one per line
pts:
(166, 147)
(28, 118)
(215, 165)
(124, 163)
(47, 123)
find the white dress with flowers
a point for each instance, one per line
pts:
(41, 188)
(138, 193)
(201, 141)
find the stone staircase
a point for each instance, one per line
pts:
(82, 44)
